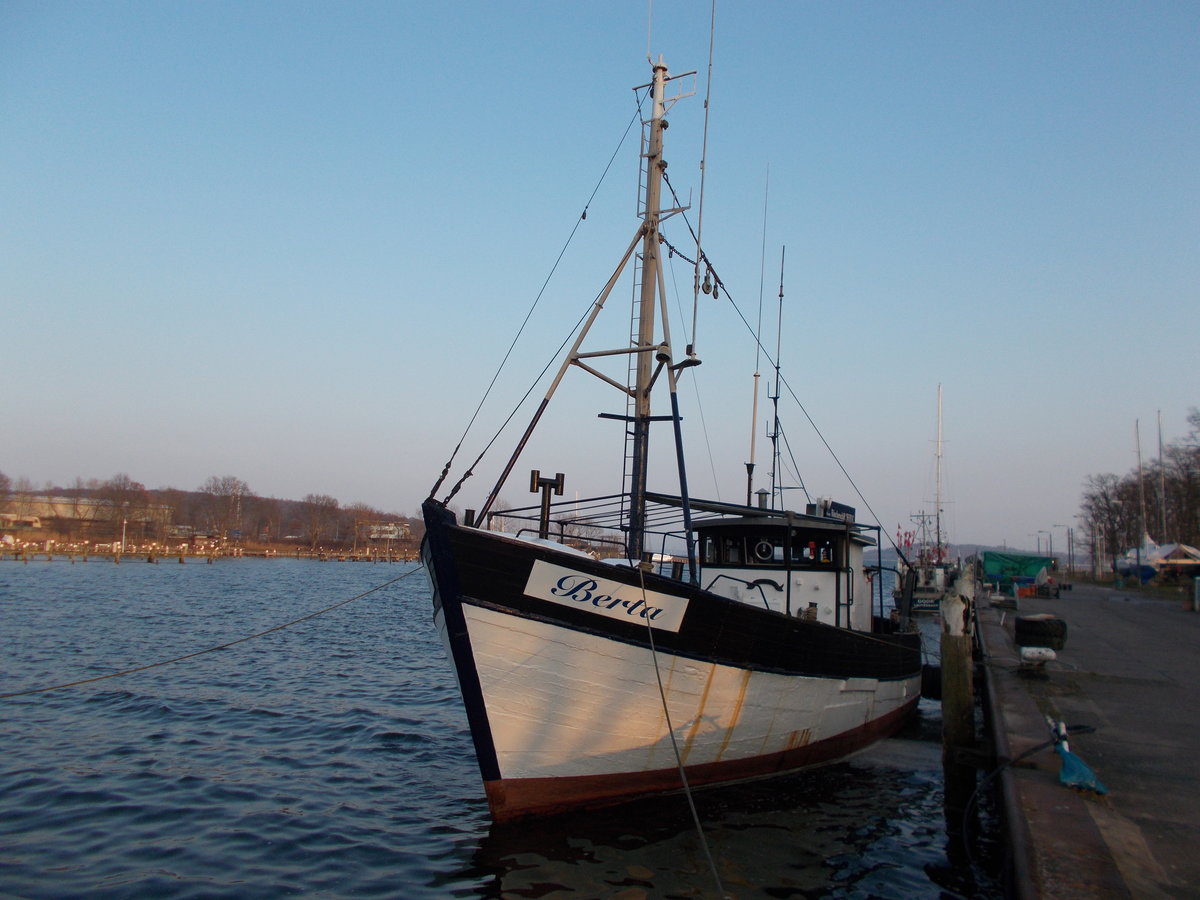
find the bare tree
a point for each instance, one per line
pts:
(124, 500)
(1111, 506)
(223, 502)
(320, 512)
(265, 516)
(22, 496)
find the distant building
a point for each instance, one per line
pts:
(388, 531)
(15, 522)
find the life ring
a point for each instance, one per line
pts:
(764, 550)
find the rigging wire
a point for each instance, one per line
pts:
(717, 281)
(512, 413)
(241, 640)
(794, 469)
(792, 393)
(762, 277)
(712, 31)
(762, 272)
(712, 465)
(536, 300)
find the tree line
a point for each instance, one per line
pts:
(1160, 499)
(223, 508)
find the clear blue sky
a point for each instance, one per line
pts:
(290, 241)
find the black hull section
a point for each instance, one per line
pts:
(491, 570)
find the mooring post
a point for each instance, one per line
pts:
(958, 684)
(958, 705)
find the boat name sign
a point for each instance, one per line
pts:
(604, 597)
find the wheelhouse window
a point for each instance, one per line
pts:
(770, 547)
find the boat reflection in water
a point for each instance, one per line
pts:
(869, 826)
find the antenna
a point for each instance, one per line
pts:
(776, 486)
(649, 28)
(762, 268)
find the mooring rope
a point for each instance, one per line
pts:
(241, 640)
(687, 788)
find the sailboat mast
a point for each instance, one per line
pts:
(1137, 436)
(1162, 486)
(645, 359)
(937, 532)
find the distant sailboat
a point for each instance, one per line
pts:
(929, 574)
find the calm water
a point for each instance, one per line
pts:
(331, 759)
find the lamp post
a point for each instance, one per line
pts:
(1068, 536)
(1071, 540)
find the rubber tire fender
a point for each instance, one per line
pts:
(1040, 630)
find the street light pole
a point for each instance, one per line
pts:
(1068, 536)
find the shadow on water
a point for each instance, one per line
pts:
(873, 826)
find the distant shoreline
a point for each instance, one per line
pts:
(29, 556)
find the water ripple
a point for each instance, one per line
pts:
(332, 759)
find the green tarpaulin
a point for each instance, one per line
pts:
(998, 566)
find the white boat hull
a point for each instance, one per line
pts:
(568, 715)
(564, 703)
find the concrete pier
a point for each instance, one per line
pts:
(1131, 669)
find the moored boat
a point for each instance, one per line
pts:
(924, 579)
(643, 642)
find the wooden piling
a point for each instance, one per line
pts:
(958, 683)
(958, 708)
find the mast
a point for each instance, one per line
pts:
(645, 360)
(1162, 486)
(651, 358)
(937, 532)
(762, 267)
(776, 476)
(1137, 435)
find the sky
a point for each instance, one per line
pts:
(292, 242)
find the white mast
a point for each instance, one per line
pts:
(645, 341)
(1162, 486)
(938, 477)
(1137, 435)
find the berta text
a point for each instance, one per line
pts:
(582, 589)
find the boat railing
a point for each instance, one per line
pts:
(597, 525)
(575, 543)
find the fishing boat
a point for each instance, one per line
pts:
(646, 641)
(925, 570)
(925, 573)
